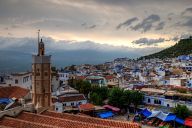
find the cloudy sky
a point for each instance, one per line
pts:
(122, 23)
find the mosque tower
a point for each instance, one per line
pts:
(41, 77)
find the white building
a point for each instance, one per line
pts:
(69, 101)
(168, 99)
(63, 77)
(22, 79)
(178, 81)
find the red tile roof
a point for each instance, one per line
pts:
(80, 77)
(13, 91)
(16, 123)
(109, 77)
(61, 120)
(87, 106)
(54, 121)
(92, 120)
(71, 98)
(50, 119)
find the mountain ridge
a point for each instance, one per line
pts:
(183, 47)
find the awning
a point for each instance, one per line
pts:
(5, 100)
(111, 108)
(188, 122)
(105, 114)
(162, 116)
(180, 121)
(154, 114)
(170, 117)
(146, 112)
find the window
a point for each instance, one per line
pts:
(80, 103)
(24, 80)
(46, 74)
(72, 104)
(149, 100)
(16, 81)
(56, 109)
(167, 105)
(37, 73)
(64, 104)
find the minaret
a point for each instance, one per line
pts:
(41, 77)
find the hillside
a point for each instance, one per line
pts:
(183, 47)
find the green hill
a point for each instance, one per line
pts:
(183, 47)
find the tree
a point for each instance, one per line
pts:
(96, 99)
(85, 87)
(98, 94)
(136, 98)
(116, 97)
(102, 91)
(53, 69)
(181, 111)
(73, 83)
(123, 98)
(126, 98)
(81, 85)
(72, 68)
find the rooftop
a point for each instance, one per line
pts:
(72, 98)
(13, 91)
(50, 119)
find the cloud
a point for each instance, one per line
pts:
(29, 45)
(187, 10)
(148, 42)
(185, 22)
(87, 26)
(15, 53)
(92, 26)
(63, 18)
(160, 26)
(127, 23)
(178, 37)
(147, 23)
(188, 22)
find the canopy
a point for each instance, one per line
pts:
(105, 114)
(154, 114)
(111, 108)
(5, 100)
(163, 116)
(188, 122)
(146, 112)
(178, 120)
(170, 117)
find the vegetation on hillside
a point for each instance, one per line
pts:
(183, 47)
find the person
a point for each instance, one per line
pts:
(127, 116)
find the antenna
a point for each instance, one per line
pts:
(38, 42)
(38, 34)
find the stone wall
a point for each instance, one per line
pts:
(13, 112)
